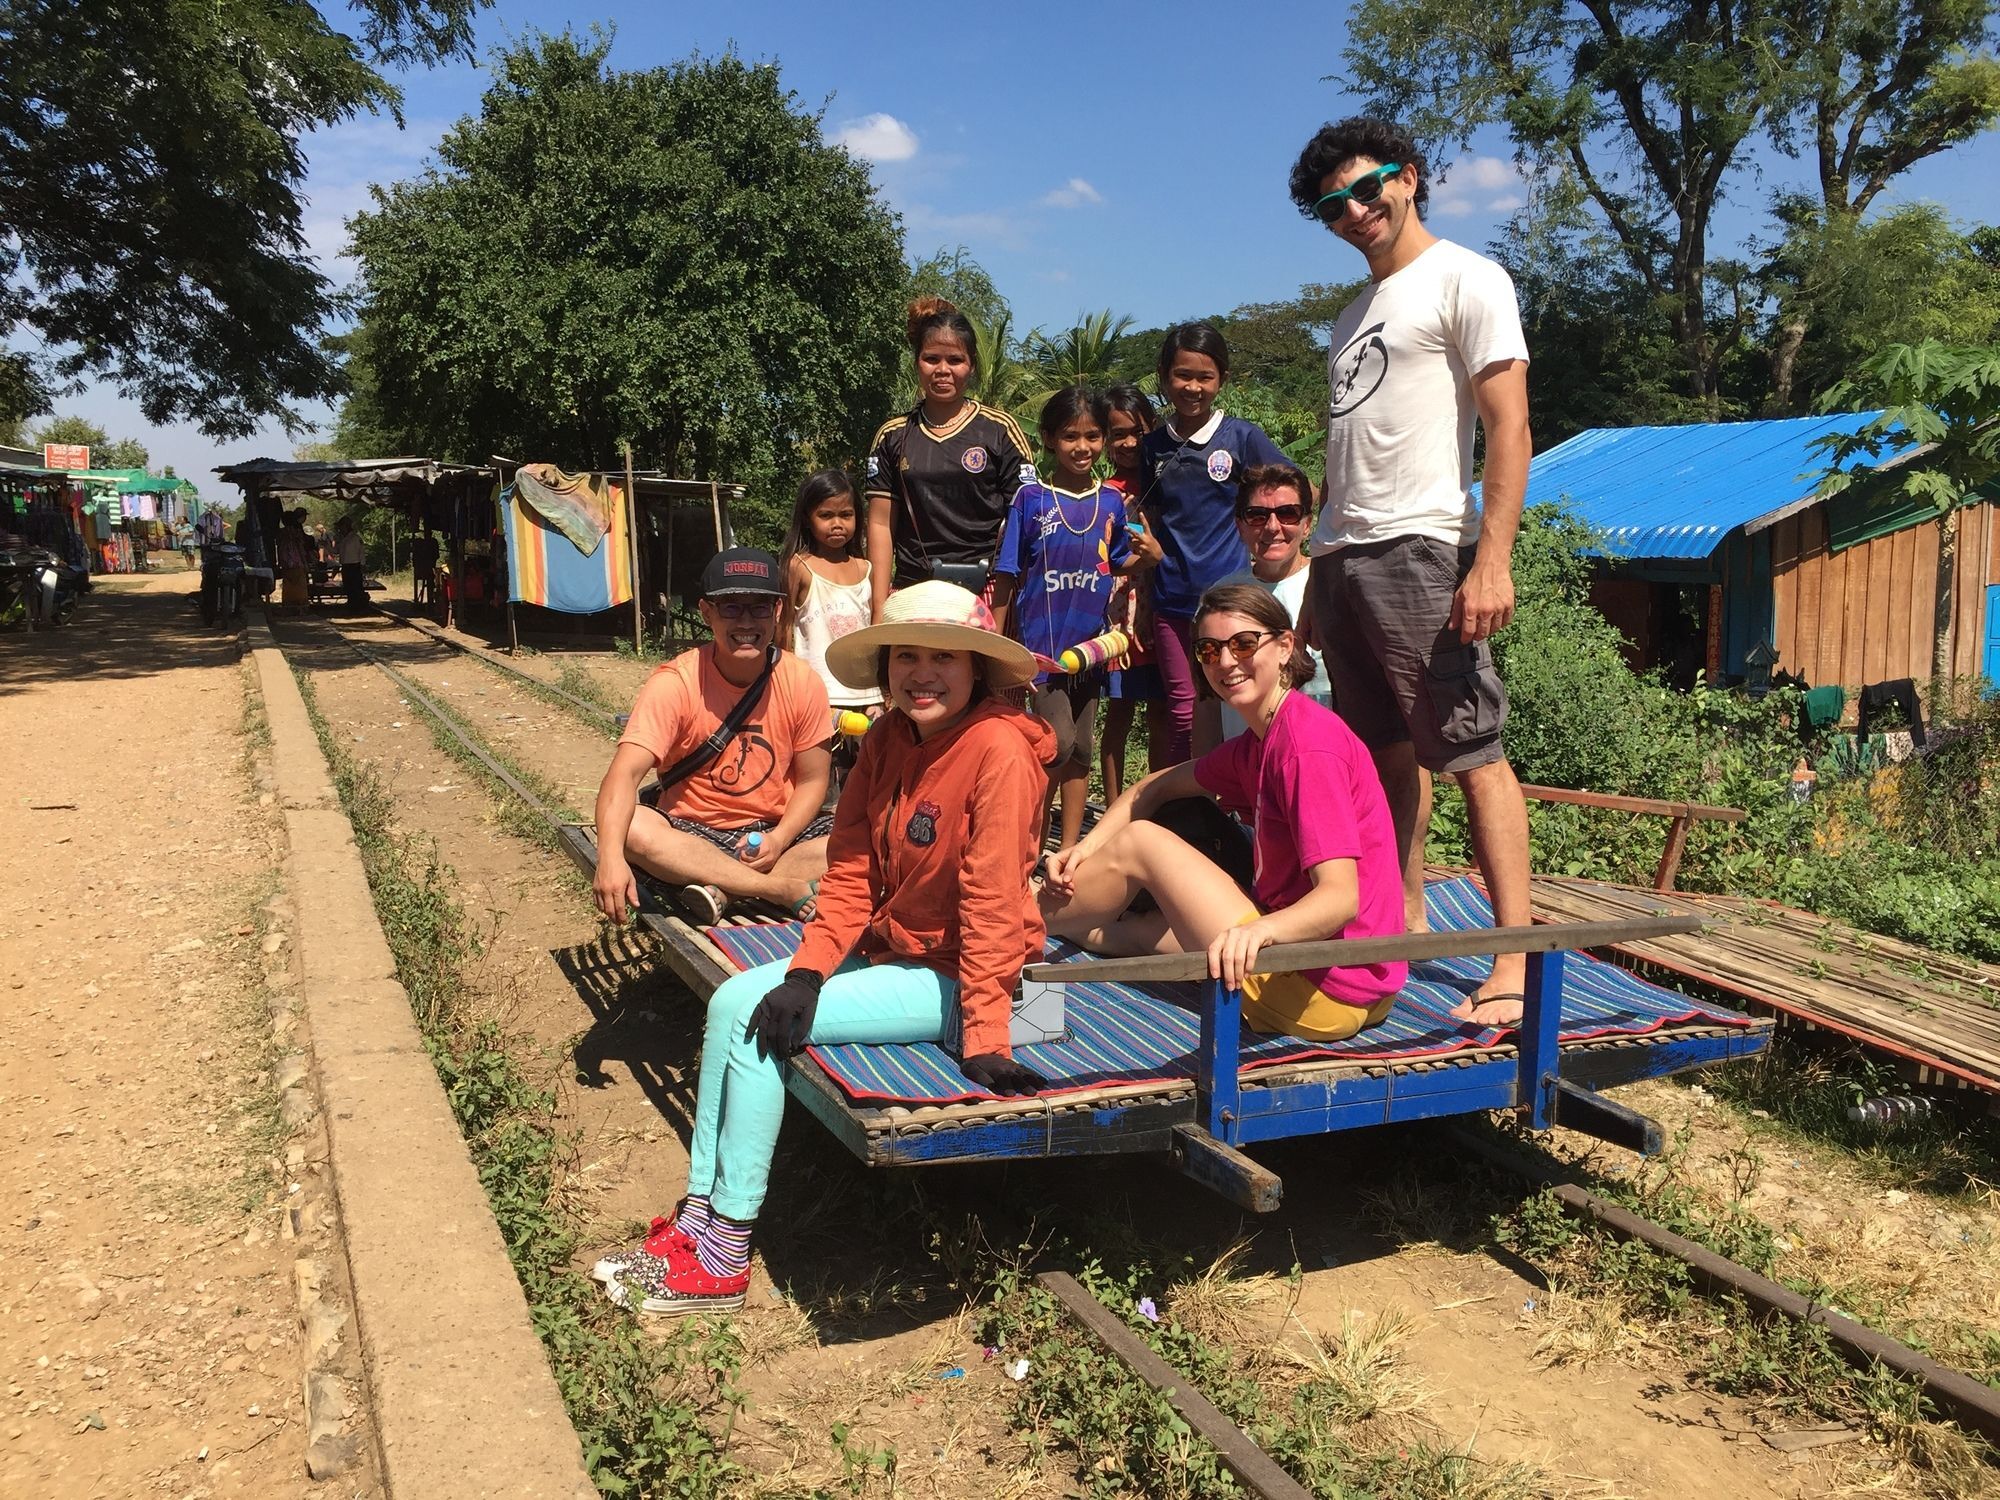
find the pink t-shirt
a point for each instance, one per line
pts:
(1310, 791)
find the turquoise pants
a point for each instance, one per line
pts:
(741, 1098)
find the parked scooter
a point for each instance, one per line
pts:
(38, 586)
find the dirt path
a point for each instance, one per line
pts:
(148, 1342)
(854, 1314)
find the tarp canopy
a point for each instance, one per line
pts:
(364, 481)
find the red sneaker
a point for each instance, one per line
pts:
(649, 1256)
(681, 1287)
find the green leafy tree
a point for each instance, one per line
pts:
(150, 170)
(123, 453)
(671, 258)
(963, 282)
(73, 429)
(1085, 355)
(1646, 110)
(1946, 400)
(1848, 286)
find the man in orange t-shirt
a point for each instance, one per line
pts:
(747, 823)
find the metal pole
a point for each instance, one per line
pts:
(632, 544)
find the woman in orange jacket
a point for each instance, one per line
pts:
(925, 919)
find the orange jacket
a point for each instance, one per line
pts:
(932, 845)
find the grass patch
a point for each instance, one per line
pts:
(641, 1406)
(510, 811)
(1808, 1090)
(1340, 1414)
(1609, 1295)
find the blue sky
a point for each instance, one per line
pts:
(1085, 159)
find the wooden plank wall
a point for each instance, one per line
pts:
(1864, 615)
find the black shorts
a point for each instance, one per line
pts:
(1381, 611)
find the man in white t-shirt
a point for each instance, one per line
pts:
(1409, 578)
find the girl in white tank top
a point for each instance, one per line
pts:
(827, 583)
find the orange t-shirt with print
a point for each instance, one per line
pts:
(685, 701)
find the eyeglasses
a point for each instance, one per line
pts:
(1257, 515)
(1242, 646)
(1365, 190)
(744, 609)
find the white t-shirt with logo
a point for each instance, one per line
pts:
(1400, 409)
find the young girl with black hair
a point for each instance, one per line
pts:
(941, 474)
(1134, 679)
(1064, 542)
(1187, 487)
(827, 590)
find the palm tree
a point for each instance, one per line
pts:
(1083, 356)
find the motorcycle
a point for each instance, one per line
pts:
(37, 585)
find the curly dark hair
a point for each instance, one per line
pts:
(1337, 145)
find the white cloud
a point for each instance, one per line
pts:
(1506, 203)
(1486, 172)
(1073, 194)
(877, 138)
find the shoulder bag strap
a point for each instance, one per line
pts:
(726, 731)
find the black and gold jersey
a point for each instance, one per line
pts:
(948, 487)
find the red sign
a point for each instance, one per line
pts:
(65, 455)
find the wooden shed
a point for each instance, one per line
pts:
(1715, 543)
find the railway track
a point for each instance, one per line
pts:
(1952, 1393)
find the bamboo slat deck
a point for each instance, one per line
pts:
(1938, 1016)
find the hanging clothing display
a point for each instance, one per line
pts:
(577, 505)
(546, 567)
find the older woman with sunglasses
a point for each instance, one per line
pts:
(1326, 862)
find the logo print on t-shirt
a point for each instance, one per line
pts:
(922, 827)
(1221, 464)
(746, 762)
(1358, 370)
(974, 461)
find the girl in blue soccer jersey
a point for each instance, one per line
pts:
(1187, 488)
(1064, 543)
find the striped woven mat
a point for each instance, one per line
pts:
(1126, 1033)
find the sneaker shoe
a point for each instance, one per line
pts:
(702, 905)
(649, 1256)
(684, 1286)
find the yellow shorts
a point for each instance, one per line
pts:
(1292, 1005)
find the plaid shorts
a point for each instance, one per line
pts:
(729, 840)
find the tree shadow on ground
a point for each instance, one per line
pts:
(126, 626)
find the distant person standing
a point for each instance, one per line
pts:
(1409, 579)
(294, 555)
(423, 567)
(353, 564)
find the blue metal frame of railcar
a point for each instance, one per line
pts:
(1236, 1111)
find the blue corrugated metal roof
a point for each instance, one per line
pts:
(1678, 491)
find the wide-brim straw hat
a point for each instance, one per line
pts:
(936, 614)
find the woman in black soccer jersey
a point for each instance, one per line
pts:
(940, 477)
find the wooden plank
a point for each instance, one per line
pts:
(1853, 607)
(1785, 593)
(1255, 1468)
(1832, 613)
(1224, 1170)
(1700, 811)
(1922, 603)
(1907, 658)
(1349, 952)
(1874, 558)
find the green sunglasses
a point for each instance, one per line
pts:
(1365, 190)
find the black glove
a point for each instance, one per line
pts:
(1001, 1075)
(783, 1019)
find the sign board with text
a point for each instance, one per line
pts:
(65, 455)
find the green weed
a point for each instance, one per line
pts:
(642, 1407)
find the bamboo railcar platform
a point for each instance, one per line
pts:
(1936, 1017)
(1200, 1121)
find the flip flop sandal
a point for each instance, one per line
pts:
(807, 906)
(702, 905)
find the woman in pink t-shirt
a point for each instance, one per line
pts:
(1325, 849)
